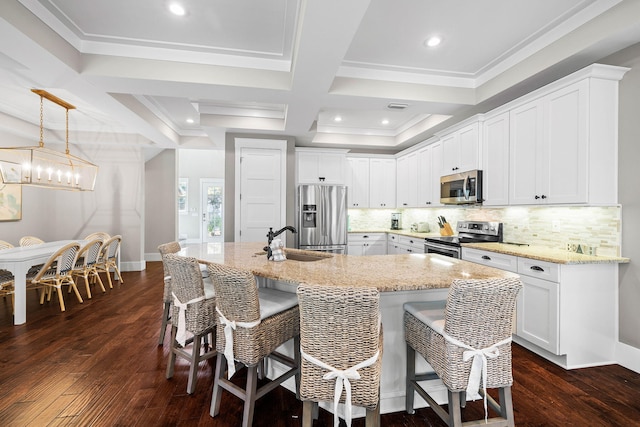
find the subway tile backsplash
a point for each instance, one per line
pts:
(555, 227)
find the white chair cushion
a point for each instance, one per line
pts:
(209, 292)
(273, 301)
(204, 271)
(431, 313)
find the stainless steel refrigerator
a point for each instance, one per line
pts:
(322, 218)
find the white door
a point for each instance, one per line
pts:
(211, 206)
(260, 188)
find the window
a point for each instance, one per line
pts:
(183, 195)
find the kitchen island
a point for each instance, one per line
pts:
(399, 278)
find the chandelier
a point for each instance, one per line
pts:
(42, 167)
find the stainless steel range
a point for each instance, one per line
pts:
(468, 232)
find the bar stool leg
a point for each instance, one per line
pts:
(411, 376)
(217, 390)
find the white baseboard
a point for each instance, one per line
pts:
(628, 356)
(152, 256)
(133, 266)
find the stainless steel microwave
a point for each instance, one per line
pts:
(461, 188)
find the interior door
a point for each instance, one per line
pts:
(212, 199)
(261, 192)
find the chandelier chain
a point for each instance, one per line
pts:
(41, 122)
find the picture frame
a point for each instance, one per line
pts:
(10, 202)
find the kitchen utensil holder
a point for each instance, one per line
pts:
(446, 230)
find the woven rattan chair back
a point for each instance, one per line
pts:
(98, 235)
(108, 258)
(186, 280)
(86, 264)
(340, 326)
(236, 293)
(30, 240)
(164, 249)
(5, 245)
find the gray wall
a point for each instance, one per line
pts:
(629, 195)
(161, 224)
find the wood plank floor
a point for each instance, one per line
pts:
(99, 364)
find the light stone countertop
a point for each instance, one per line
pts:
(543, 253)
(388, 273)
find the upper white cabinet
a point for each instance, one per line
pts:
(358, 182)
(382, 182)
(563, 141)
(495, 160)
(429, 161)
(316, 166)
(407, 180)
(460, 148)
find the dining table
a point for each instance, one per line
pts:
(18, 261)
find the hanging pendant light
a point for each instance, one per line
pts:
(42, 167)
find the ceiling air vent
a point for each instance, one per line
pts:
(397, 106)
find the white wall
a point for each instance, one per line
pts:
(160, 224)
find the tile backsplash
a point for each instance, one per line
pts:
(555, 227)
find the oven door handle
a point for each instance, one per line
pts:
(465, 187)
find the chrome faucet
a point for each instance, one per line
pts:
(271, 234)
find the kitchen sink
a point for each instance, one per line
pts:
(304, 257)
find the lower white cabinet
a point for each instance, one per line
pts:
(565, 312)
(367, 244)
(398, 244)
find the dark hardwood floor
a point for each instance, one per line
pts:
(99, 364)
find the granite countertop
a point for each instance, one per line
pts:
(388, 273)
(543, 253)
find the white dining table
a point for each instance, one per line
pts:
(18, 260)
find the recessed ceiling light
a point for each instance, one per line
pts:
(337, 119)
(190, 121)
(433, 41)
(385, 121)
(177, 9)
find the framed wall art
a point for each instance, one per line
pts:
(10, 202)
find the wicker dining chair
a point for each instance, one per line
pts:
(85, 265)
(108, 258)
(340, 330)
(193, 312)
(5, 245)
(7, 286)
(457, 337)
(56, 273)
(164, 249)
(30, 240)
(98, 235)
(251, 323)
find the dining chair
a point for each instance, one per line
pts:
(193, 312)
(341, 345)
(467, 341)
(5, 245)
(85, 265)
(7, 286)
(98, 235)
(165, 249)
(30, 240)
(108, 258)
(56, 273)
(252, 323)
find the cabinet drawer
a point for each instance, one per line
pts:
(366, 237)
(540, 269)
(491, 259)
(415, 242)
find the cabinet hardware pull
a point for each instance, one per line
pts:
(488, 258)
(544, 197)
(537, 197)
(536, 268)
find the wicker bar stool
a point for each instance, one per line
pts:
(193, 311)
(252, 323)
(457, 338)
(164, 249)
(341, 343)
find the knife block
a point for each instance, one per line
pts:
(446, 230)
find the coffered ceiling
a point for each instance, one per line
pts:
(330, 73)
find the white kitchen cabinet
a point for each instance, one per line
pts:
(407, 180)
(412, 245)
(425, 179)
(367, 244)
(495, 160)
(358, 182)
(563, 141)
(316, 166)
(393, 247)
(565, 312)
(382, 182)
(461, 148)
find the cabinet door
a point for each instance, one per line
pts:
(407, 180)
(308, 164)
(378, 247)
(468, 147)
(356, 249)
(525, 133)
(382, 190)
(436, 173)
(538, 313)
(565, 145)
(331, 169)
(450, 153)
(495, 160)
(358, 182)
(424, 173)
